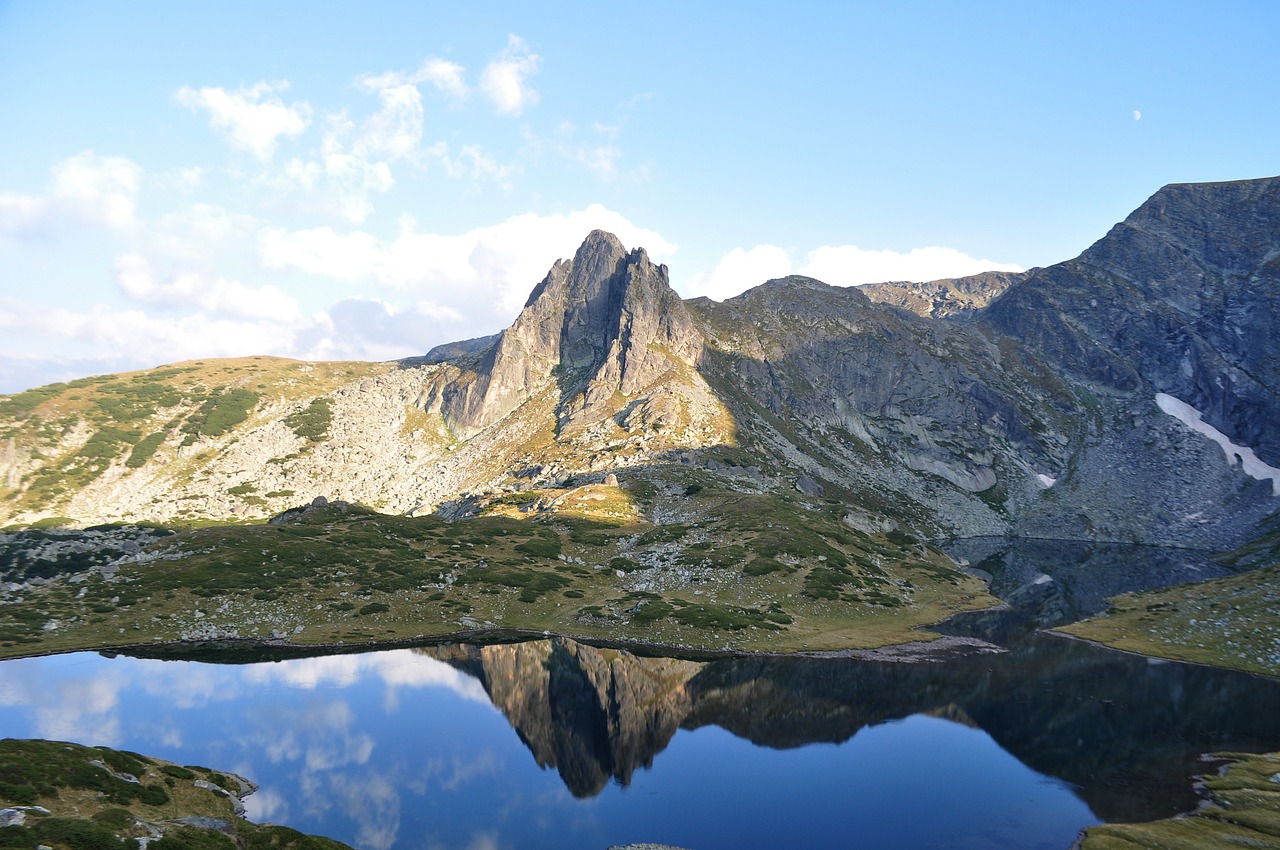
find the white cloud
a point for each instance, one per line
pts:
(133, 338)
(83, 189)
(849, 265)
(395, 130)
(322, 251)
(444, 76)
(473, 162)
(188, 288)
(342, 175)
(602, 159)
(252, 119)
(503, 79)
(485, 274)
(738, 271)
(199, 232)
(104, 188)
(840, 265)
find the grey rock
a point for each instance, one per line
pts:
(809, 487)
(605, 322)
(459, 350)
(948, 298)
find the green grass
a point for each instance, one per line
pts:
(328, 571)
(312, 423)
(1226, 622)
(1244, 812)
(220, 413)
(90, 809)
(144, 450)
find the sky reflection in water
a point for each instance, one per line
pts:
(399, 750)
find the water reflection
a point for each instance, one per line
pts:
(1047, 583)
(1125, 731)
(405, 748)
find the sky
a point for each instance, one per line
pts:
(365, 181)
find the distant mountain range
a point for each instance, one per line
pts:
(999, 404)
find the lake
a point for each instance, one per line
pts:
(554, 744)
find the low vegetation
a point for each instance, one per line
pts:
(1243, 810)
(71, 797)
(1227, 622)
(312, 422)
(581, 561)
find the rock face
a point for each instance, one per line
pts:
(605, 322)
(1181, 297)
(948, 298)
(592, 714)
(999, 404)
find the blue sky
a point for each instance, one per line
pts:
(330, 181)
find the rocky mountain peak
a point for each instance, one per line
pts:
(1232, 226)
(605, 322)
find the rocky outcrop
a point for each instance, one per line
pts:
(450, 351)
(1182, 297)
(948, 298)
(606, 322)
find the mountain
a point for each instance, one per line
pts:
(948, 298)
(595, 714)
(1060, 402)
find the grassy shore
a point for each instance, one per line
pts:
(746, 572)
(1243, 811)
(1231, 622)
(69, 797)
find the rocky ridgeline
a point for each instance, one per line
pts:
(948, 298)
(1020, 404)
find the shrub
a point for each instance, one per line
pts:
(312, 422)
(193, 839)
(221, 413)
(144, 450)
(541, 547)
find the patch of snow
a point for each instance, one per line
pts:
(1249, 460)
(1042, 579)
(1046, 481)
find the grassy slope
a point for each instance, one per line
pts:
(80, 428)
(77, 798)
(1229, 622)
(1245, 812)
(794, 577)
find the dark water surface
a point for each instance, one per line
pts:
(553, 744)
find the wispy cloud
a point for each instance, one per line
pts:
(83, 189)
(252, 119)
(838, 265)
(503, 80)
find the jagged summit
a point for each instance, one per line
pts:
(605, 322)
(1181, 297)
(1037, 413)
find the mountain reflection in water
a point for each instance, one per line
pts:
(1047, 583)
(402, 749)
(1127, 732)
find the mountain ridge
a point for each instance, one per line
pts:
(1015, 404)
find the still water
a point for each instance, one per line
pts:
(553, 744)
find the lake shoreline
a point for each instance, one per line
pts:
(1153, 657)
(940, 648)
